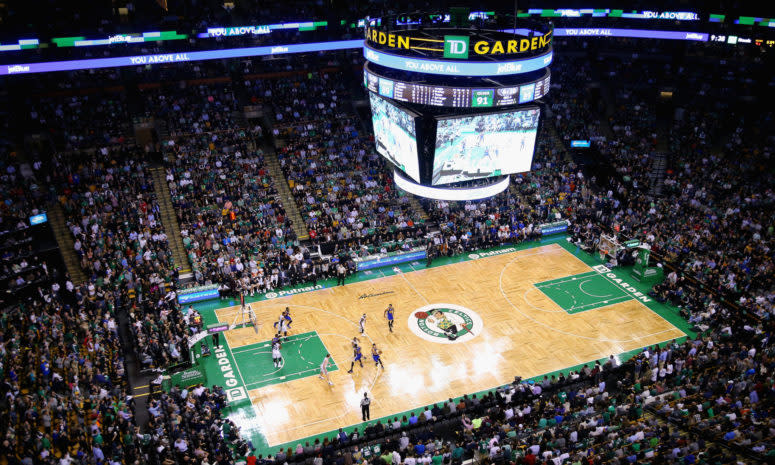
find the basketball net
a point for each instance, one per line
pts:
(245, 316)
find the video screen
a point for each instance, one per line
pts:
(395, 136)
(482, 146)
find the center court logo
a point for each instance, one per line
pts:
(456, 46)
(445, 323)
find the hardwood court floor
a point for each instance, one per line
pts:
(524, 333)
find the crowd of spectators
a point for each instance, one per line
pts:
(185, 426)
(64, 385)
(705, 400)
(22, 268)
(193, 108)
(64, 389)
(64, 381)
(709, 222)
(343, 189)
(234, 227)
(575, 114)
(544, 195)
(111, 210)
(63, 119)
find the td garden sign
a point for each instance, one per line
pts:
(449, 43)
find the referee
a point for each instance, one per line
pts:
(365, 402)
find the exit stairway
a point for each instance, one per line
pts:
(170, 221)
(284, 191)
(64, 238)
(418, 208)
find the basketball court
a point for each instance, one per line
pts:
(468, 325)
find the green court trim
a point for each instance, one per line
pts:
(293, 359)
(623, 357)
(242, 412)
(568, 294)
(565, 279)
(268, 342)
(670, 313)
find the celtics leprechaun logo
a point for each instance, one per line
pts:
(445, 323)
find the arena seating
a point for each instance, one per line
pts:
(704, 400)
(62, 117)
(344, 192)
(193, 109)
(230, 224)
(112, 212)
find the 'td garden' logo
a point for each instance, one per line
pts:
(445, 323)
(456, 46)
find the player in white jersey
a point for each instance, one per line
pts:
(362, 323)
(277, 358)
(283, 325)
(324, 369)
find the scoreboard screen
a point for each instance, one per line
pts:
(395, 135)
(483, 146)
(456, 97)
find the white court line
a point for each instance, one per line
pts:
(635, 299)
(228, 346)
(284, 376)
(250, 347)
(552, 328)
(334, 418)
(527, 376)
(524, 296)
(625, 297)
(553, 247)
(324, 347)
(401, 273)
(581, 288)
(575, 277)
(266, 303)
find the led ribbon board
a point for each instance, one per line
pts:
(142, 60)
(633, 33)
(138, 60)
(458, 68)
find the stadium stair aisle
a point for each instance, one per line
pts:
(608, 100)
(657, 173)
(162, 130)
(65, 241)
(283, 189)
(418, 208)
(170, 221)
(555, 136)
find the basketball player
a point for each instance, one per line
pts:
(357, 357)
(277, 358)
(324, 369)
(362, 323)
(282, 326)
(375, 354)
(356, 342)
(276, 340)
(389, 311)
(287, 316)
